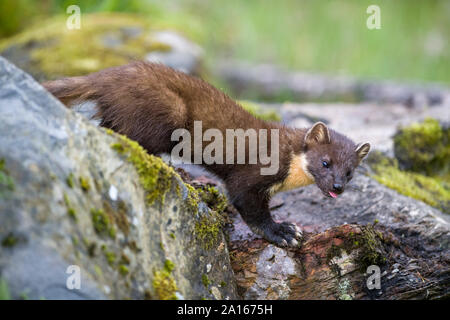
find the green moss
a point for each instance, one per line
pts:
(56, 51)
(370, 248)
(223, 284)
(205, 280)
(10, 240)
(213, 198)
(69, 180)
(123, 270)
(118, 216)
(172, 235)
(165, 285)
(24, 296)
(154, 175)
(207, 229)
(124, 259)
(431, 190)
(72, 213)
(369, 245)
(334, 251)
(169, 266)
(260, 112)
(102, 223)
(84, 184)
(75, 241)
(6, 182)
(108, 131)
(91, 247)
(423, 148)
(192, 199)
(70, 210)
(98, 270)
(109, 255)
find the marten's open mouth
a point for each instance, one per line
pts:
(330, 194)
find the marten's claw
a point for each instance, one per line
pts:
(283, 234)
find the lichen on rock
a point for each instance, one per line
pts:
(207, 229)
(6, 181)
(53, 50)
(434, 191)
(424, 148)
(164, 283)
(154, 175)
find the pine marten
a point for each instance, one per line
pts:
(147, 102)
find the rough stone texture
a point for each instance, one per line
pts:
(415, 239)
(48, 154)
(415, 243)
(184, 55)
(272, 82)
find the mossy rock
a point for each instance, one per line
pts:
(268, 114)
(75, 194)
(51, 50)
(155, 176)
(424, 148)
(6, 182)
(434, 191)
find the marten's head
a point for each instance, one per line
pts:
(331, 158)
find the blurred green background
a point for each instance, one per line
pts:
(309, 35)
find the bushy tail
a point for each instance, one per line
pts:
(71, 90)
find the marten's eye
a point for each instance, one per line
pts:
(349, 173)
(325, 164)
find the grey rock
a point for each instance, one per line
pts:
(272, 82)
(184, 55)
(46, 219)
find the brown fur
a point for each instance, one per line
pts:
(147, 102)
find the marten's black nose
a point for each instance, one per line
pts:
(337, 187)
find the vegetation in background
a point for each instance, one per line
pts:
(318, 36)
(424, 148)
(4, 290)
(434, 191)
(258, 111)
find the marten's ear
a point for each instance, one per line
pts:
(318, 134)
(362, 149)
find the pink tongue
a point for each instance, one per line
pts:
(334, 195)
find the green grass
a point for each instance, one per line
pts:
(332, 37)
(311, 35)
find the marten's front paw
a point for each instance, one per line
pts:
(282, 234)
